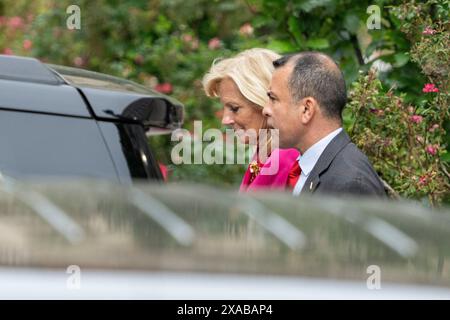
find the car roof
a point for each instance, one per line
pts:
(27, 69)
(107, 97)
(86, 78)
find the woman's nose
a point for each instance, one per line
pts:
(267, 112)
(227, 119)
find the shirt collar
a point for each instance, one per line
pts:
(308, 160)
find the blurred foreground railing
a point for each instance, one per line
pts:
(200, 228)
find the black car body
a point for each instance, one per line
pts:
(63, 122)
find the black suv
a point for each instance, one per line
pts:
(64, 122)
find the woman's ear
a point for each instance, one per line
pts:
(308, 109)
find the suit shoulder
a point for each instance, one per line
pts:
(352, 169)
(351, 154)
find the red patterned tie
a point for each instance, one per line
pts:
(294, 175)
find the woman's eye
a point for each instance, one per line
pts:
(234, 109)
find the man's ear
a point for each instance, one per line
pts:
(308, 109)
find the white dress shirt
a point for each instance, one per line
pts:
(308, 160)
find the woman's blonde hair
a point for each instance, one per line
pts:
(251, 71)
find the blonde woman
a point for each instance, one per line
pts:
(241, 83)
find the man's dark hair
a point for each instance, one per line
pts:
(316, 75)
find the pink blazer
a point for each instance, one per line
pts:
(272, 176)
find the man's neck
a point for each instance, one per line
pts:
(315, 136)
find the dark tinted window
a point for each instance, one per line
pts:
(33, 145)
(130, 150)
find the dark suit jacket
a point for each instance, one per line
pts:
(343, 169)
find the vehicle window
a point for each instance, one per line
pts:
(34, 145)
(130, 151)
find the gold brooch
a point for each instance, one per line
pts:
(254, 168)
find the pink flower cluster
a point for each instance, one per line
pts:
(434, 127)
(430, 87)
(12, 22)
(79, 62)
(416, 119)
(27, 44)
(431, 149)
(428, 31)
(214, 43)
(423, 180)
(377, 112)
(246, 29)
(139, 59)
(191, 40)
(8, 51)
(164, 88)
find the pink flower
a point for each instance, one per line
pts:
(377, 112)
(78, 61)
(214, 43)
(163, 169)
(2, 20)
(428, 31)
(15, 22)
(431, 150)
(246, 29)
(219, 114)
(8, 51)
(187, 37)
(194, 44)
(423, 181)
(416, 118)
(164, 88)
(430, 87)
(139, 59)
(433, 127)
(27, 44)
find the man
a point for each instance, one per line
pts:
(306, 98)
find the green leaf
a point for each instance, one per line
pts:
(281, 46)
(351, 22)
(310, 5)
(400, 59)
(320, 43)
(294, 29)
(446, 157)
